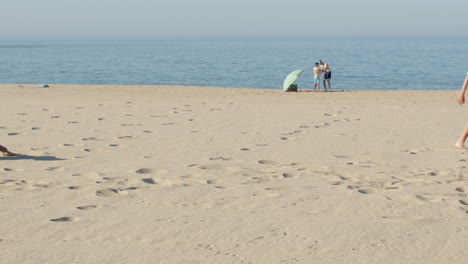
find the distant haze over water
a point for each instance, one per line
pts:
(376, 64)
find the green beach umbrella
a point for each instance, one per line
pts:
(291, 78)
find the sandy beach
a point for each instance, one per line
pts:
(181, 174)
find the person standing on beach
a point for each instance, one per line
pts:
(5, 152)
(327, 74)
(317, 77)
(461, 100)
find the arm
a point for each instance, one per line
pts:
(461, 96)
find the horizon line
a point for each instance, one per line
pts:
(215, 37)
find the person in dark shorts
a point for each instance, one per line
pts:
(5, 152)
(325, 68)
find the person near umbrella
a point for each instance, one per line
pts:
(5, 152)
(326, 74)
(461, 100)
(317, 77)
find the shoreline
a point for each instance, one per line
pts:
(198, 86)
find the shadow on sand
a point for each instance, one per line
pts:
(26, 157)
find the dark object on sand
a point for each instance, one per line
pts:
(5, 152)
(292, 88)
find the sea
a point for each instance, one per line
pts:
(356, 63)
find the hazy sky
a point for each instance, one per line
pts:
(163, 18)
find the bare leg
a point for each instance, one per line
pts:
(329, 85)
(461, 141)
(325, 84)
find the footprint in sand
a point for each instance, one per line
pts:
(286, 138)
(35, 128)
(72, 145)
(417, 151)
(64, 219)
(149, 181)
(13, 134)
(263, 179)
(289, 176)
(244, 149)
(293, 133)
(221, 158)
(211, 182)
(88, 175)
(268, 162)
(87, 207)
(12, 170)
(150, 171)
(55, 169)
(111, 192)
(149, 132)
(125, 137)
(324, 124)
(337, 182)
(40, 148)
(96, 150)
(211, 167)
(91, 139)
(43, 185)
(118, 180)
(366, 191)
(75, 187)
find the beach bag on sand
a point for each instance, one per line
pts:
(292, 88)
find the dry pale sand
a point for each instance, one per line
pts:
(170, 174)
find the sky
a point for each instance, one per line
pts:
(40, 19)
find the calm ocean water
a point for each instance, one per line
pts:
(420, 64)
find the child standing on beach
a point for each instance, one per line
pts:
(317, 77)
(461, 100)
